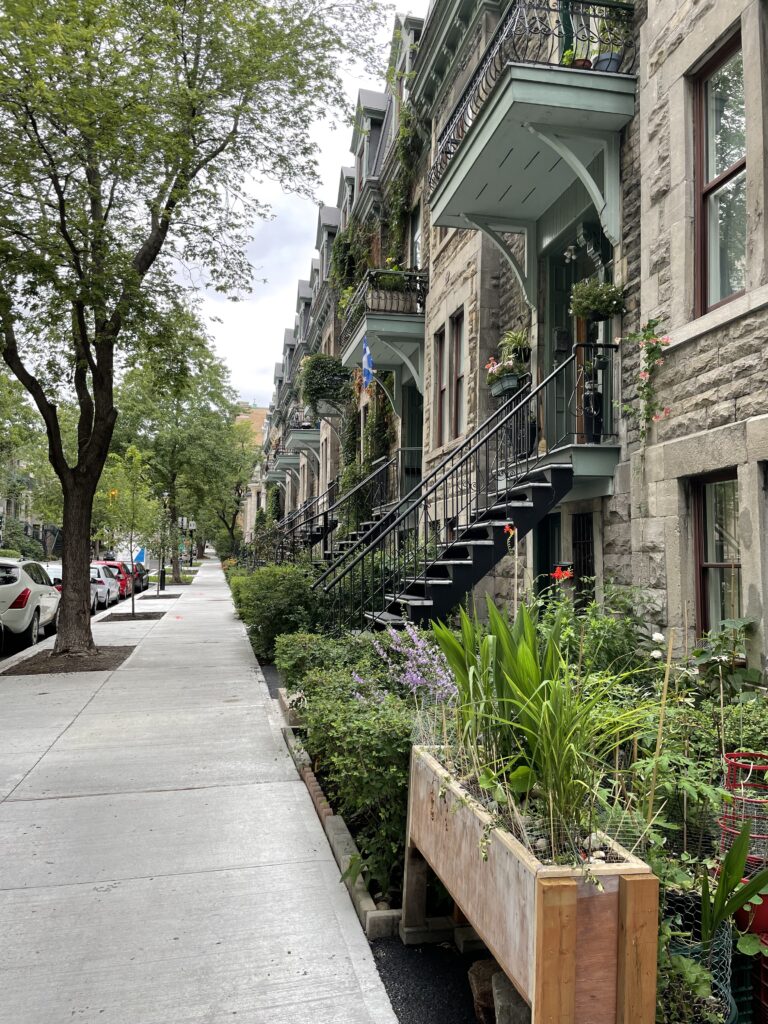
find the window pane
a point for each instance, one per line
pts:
(721, 522)
(723, 595)
(460, 424)
(727, 234)
(725, 116)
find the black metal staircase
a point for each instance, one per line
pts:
(330, 524)
(427, 552)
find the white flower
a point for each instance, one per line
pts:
(657, 655)
(658, 638)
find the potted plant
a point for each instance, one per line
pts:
(595, 300)
(515, 343)
(504, 375)
(570, 60)
(613, 36)
(499, 808)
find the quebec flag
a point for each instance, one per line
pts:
(139, 555)
(367, 363)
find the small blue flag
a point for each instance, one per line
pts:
(367, 363)
(140, 556)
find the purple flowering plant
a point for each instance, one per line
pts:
(416, 664)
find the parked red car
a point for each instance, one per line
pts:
(123, 575)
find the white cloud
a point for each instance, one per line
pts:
(249, 334)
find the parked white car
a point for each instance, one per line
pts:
(106, 584)
(56, 573)
(28, 601)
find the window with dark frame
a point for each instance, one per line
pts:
(583, 547)
(721, 179)
(441, 376)
(718, 556)
(458, 353)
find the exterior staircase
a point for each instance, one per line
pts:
(423, 556)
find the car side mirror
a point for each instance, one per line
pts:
(56, 581)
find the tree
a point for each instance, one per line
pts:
(130, 134)
(229, 455)
(176, 399)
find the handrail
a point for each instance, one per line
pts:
(467, 455)
(537, 32)
(484, 426)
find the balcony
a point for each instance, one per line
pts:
(303, 435)
(388, 309)
(553, 89)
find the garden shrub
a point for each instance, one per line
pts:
(271, 600)
(360, 747)
(9, 553)
(299, 655)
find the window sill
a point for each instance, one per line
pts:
(721, 316)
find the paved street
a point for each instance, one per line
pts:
(160, 860)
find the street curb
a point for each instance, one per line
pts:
(377, 924)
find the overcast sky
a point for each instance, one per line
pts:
(249, 336)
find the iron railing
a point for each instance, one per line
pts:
(573, 405)
(385, 291)
(334, 517)
(572, 33)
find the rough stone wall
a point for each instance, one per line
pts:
(715, 375)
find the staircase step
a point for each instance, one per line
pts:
(385, 617)
(453, 561)
(425, 602)
(432, 581)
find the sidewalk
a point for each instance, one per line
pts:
(160, 860)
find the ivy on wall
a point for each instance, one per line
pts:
(399, 194)
(351, 254)
(323, 378)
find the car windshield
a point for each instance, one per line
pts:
(9, 574)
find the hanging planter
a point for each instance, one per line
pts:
(594, 300)
(505, 385)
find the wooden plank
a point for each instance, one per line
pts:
(493, 886)
(638, 936)
(554, 999)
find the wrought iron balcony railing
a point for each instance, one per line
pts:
(385, 291)
(567, 33)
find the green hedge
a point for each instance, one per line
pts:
(9, 553)
(298, 654)
(360, 747)
(271, 600)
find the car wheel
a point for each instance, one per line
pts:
(53, 626)
(30, 636)
(95, 604)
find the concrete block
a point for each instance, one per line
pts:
(757, 439)
(509, 1005)
(382, 924)
(480, 982)
(437, 929)
(697, 454)
(467, 940)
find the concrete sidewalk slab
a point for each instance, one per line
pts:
(160, 860)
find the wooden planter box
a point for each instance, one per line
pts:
(577, 955)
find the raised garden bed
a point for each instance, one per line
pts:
(578, 947)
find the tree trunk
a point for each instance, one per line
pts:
(173, 515)
(74, 623)
(200, 547)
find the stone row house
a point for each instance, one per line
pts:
(519, 150)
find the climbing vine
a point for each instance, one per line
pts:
(324, 378)
(651, 348)
(407, 149)
(351, 254)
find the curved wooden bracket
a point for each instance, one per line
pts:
(605, 200)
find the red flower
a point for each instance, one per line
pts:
(509, 529)
(561, 574)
